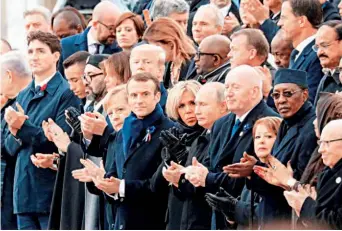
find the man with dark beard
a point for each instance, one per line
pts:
(97, 39)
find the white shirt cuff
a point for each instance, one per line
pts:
(115, 196)
(122, 188)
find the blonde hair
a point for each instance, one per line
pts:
(175, 95)
(271, 122)
(166, 30)
(120, 89)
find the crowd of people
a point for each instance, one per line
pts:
(182, 114)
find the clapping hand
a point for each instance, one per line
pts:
(196, 174)
(15, 119)
(242, 169)
(92, 124)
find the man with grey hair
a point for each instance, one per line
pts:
(178, 10)
(15, 76)
(207, 21)
(232, 135)
(37, 18)
(150, 58)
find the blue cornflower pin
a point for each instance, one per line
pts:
(245, 128)
(149, 132)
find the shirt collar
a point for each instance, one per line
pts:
(45, 81)
(91, 40)
(225, 10)
(275, 15)
(301, 46)
(243, 117)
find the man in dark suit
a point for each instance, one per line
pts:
(97, 39)
(295, 142)
(211, 59)
(15, 76)
(231, 135)
(302, 33)
(330, 11)
(47, 96)
(137, 158)
(328, 47)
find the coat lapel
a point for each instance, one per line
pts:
(82, 41)
(303, 55)
(290, 135)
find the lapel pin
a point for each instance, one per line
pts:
(338, 180)
(241, 134)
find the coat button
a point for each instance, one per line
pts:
(121, 227)
(121, 199)
(183, 181)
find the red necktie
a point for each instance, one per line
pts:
(43, 88)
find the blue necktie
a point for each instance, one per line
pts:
(235, 127)
(293, 55)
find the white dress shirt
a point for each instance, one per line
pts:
(92, 46)
(301, 46)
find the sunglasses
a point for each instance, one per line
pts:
(286, 94)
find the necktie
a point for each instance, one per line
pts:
(294, 53)
(97, 48)
(235, 127)
(90, 107)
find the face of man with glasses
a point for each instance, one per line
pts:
(327, 47)
(330, 143)
(105, 29)
(93, 80)
(289, 98)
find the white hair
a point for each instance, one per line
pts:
(219, 19)
(45, 12)
(151, 48)
(163, 8)
(16, 62)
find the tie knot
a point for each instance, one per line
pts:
(237, 122)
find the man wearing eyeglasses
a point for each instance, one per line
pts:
(97, 39)
(300, 19)
(321, 208)
(328, 47)
(211, 59)
(295, 142)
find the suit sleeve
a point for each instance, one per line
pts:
(326, 218)
(270, 29)
(34, 135)
(314, 74)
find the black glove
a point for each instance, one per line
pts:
(174, 142)
(222, 202)
(72, 120)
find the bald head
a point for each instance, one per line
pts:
(66, 23)
(218, 44)
(148, 58)
(210, 104)
(331, 153)
(243, 89)
(105, 9)
(281, 48)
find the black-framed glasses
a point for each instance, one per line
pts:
(286, 94)
(199, 54)
(89, 78)
(110, 28)
(321, 142)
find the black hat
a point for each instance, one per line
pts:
(291, 76)
(95, 60)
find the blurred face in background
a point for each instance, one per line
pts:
(36, 22)
(118, 109)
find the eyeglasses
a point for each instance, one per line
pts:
(322, 46)
(89, 78)
(286, 94)
(110, 28)
(199, 54)
(327, 142)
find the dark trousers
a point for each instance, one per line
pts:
(32, 221)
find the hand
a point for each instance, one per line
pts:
(260, 11)
(173, 173)
(266, 77)
(47, 133)
(81, 175)
(246, 15)
(242, 169)
(108, 185)
(59, 137)
(92, 169)
(222, 202)
(311, 191)
(43, 160)
(296, 199)
(92, 124)
(230, 22)
(15, 119)
(71, 118)
(196, 174)
(174, 144)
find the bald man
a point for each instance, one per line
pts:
(281, 48)
(211, 59)
(99, 38)
(232, 134)
(66, 23)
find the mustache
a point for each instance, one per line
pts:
(323, 56)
